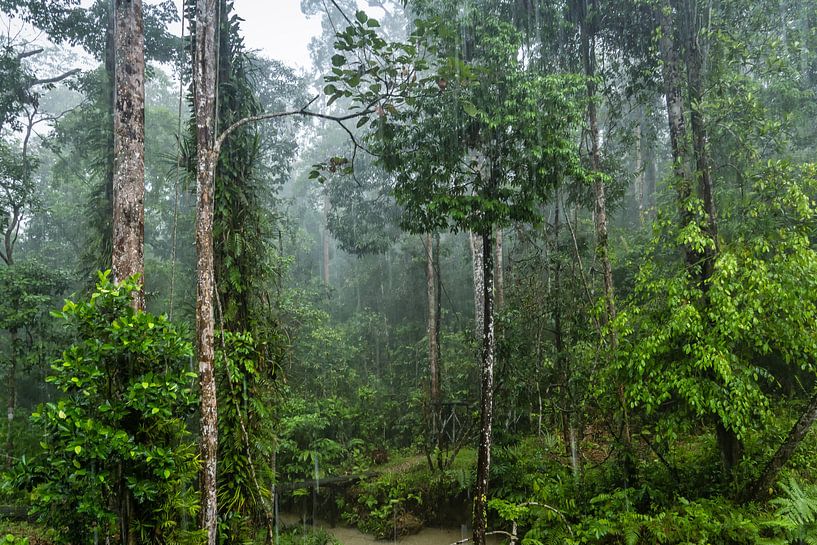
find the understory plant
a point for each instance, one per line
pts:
(117, 460)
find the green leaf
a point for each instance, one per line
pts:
(361, 16)
(338, 60)
(78, 449)
(469, 108)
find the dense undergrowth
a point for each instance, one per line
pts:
(680, 499)
(675, 501)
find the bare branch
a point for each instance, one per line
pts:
(304, 111)
(56, 79)
(26, 54)
(342, 13)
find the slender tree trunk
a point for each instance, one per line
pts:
(760, 489)
(700, 146)
(650, 170)
(486, 405)
(204, 96)
(602, 249)
(479, 282)
(11, 404)
(730, 445)
(325, 241)
(129, 146)
(11, 377)
(602, 245)
(675, 116)
(439, 313)
(431, 326)
(499, 273)
(640, 193)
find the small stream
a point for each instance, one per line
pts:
(426, 536)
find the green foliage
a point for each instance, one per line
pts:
(401, 501)
(323, 435)
(17, 195)
(15, 90)
(703, 521)
(26, 292)
(685, 356)
(246, 441)
(795, 516)
(24, 532)
(64, 21)
(297, 535)
(475, 138)
(9, 539)
(118, 432)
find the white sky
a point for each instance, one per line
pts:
(277, 28)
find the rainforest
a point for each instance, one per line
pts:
(430, 272)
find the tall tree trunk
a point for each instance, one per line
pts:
(431, 326)
(432, 330)
(325, 241)
(729, 443)
(129, 146)
(499, 273)
(487, 388)
(760, 488)
(205, 100)
(650, 170)
(602, 245)
(128, 236)
(640, 192)
(11, 403)
(479, 282)
(439, 313)
(675, 116)
(703, 171)
(568, 409)
(602, 250)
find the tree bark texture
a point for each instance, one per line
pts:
(499, 273)
(602, 249)
(435, 394)
(432, 330)
(487, 403)
(675, 114)
(204, 81)
(650, 176)
(640, 185)
(731, 447)
(479, 282)
(325, 239)
(129, 145)
(761, 487)
(703, 172)
(602, 243)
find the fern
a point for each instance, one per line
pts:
(796, 513)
